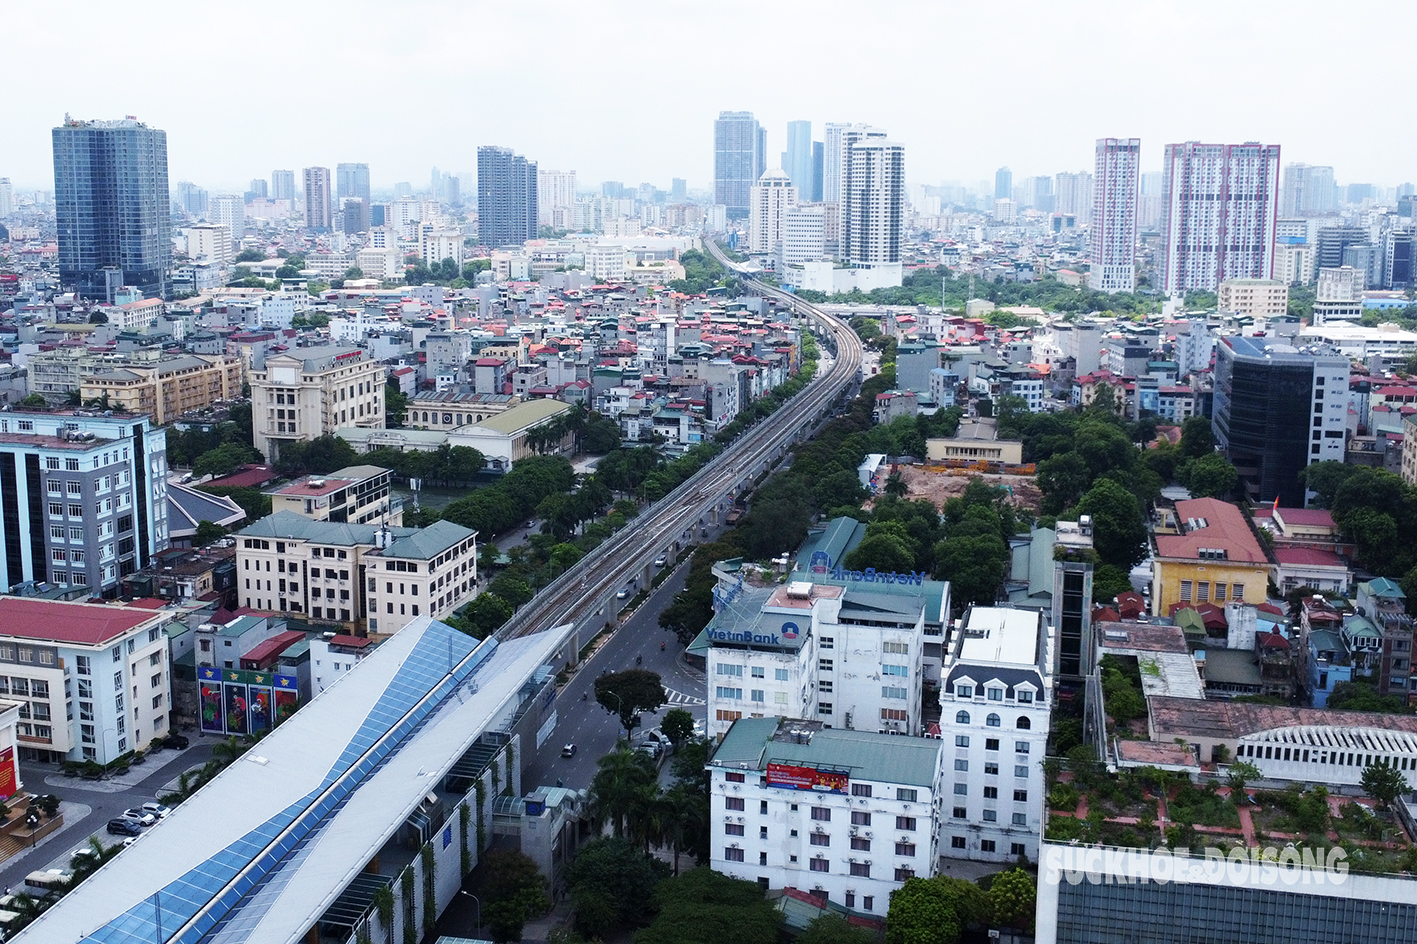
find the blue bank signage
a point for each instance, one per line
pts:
(785, 636)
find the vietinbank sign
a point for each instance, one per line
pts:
(785, 636)
(821, 563)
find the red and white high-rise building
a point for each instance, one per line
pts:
(1219, 216)
(1114, 215)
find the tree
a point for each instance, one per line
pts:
(620, 792)
(514, 891)
(1383, 782)
(1361, 696)
(1211, 476)
(678, 725)
(704, 907)
(628, 693)
(395, 405)
(223, 460)
(1196, 438)
(1118, 528)
(34, 402)
(252, 255)
(834, 929)
(974, 565)
(486, 614)
(934, 910)
(1014, 899)
(207, 532)
(1238, 776)
(354, 272)
(610, 882)
(1062, 478)
(98, 317)
(886, 552)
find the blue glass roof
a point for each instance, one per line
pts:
(211, 897)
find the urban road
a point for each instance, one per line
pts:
(582, 596)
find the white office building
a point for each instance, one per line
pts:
(994, 710)
(847, 816)
(804, 235)
(847, 657)
(209, 242)
(1114, 215)
(768, 201)
(229, 210)
(555, 190)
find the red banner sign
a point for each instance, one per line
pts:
(807, 778)
(9, 779)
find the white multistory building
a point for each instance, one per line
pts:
(605, 261)
(1219, 216)
(873, 208)
(847, 657)
(768, 202)
(209, 242)
(1114, 215)
(994, 711)
(1072, 195)
(555, 190)
(804, 234)
(229, 210)
(435, 244)
(847, 816)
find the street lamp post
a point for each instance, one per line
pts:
(478, 903)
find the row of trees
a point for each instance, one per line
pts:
(1377, 511)
(701, 273)
(939, 286)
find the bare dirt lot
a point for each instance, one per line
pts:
(940, 485)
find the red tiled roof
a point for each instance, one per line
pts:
(250, 476)
(273, 646)
(82, 623)
(1272, 641)
(1319, 517)
(1225, 529)
(1308, 557)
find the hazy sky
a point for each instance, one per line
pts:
(628, 89)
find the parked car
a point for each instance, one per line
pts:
(139, 816)
(122, 826)
(156, 809)
(568, 751)
(660, 561)
(176, 741)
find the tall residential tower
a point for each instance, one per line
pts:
(506, 197)
(319, 211)
(1218, 221)
(1114, 215)
(111, 207)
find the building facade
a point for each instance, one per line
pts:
(1219, 217)
(1278, 409)
(995, 700)
(88, 498)
(304, 393)
(771, 198)
(319, 201)
(93, 680)
(1114, 215)
(1207, 554)
(166, 390)
(847, 816)
(739, 159)
(506, 197)
(1254, 298)
(873, 203)
(357, 493)
(111, 207)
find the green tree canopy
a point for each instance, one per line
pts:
(513, 892)
(705, 907)
(934, 910)
(611, 882)
(628, 693)
(1211, 476)
(1013, 897)
(1383, 782)
(834, 929)
(1118, 529)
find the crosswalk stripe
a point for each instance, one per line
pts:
(679, 698)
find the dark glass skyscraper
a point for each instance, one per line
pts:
(739, 159)
(111, 206)
(506, 197)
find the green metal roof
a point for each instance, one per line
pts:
(837, 540)
(287, 525)
(882, 758)
(429, 542)
(1383, 587)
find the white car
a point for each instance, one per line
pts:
(141, 817)
(660, 561)
(156, 809)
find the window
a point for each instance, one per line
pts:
(992, 721)
(733, 829)
(961, 740)
(991, 744)
(732, 777)
(822, 814)
(900, 670)
(986, 845)
(821, 839)
(1186, 591)
(905, 794)
(1017, 849)
(723, 668)
(758, 671)
(1020, 819)
(860, 789)
(733, 803)
(991, 793)
(991, 768)
(734, 693)
(81, 665)
(888, 691)
(756, 695)
(991, 816)
(1025, 697)
(1237, 592)
(897, 648)
(74, 489)
(1020, 796)
(961, 789)
(818, 864)
(860, 845)
(56, 509)
(860, 818)
(961, 764)
(996, 694)
(962, 717)
(825, 685)
(905, 849)
(960, 813)
(964, 691)
(904, 875)
(826, 642)
(1021, 770)
(76, 511)
(824, 665)
(779, 675)
(957, 842)
(824, 707)
(733, 855)
(861, 869)
(779, 698)
(905, 822)
(117, 653)
(1023, 723)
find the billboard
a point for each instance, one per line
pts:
(237, 701)
(793, 777)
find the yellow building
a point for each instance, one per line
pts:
(1209, 556)
(166, 390)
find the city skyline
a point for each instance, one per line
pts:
(1256, 48)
